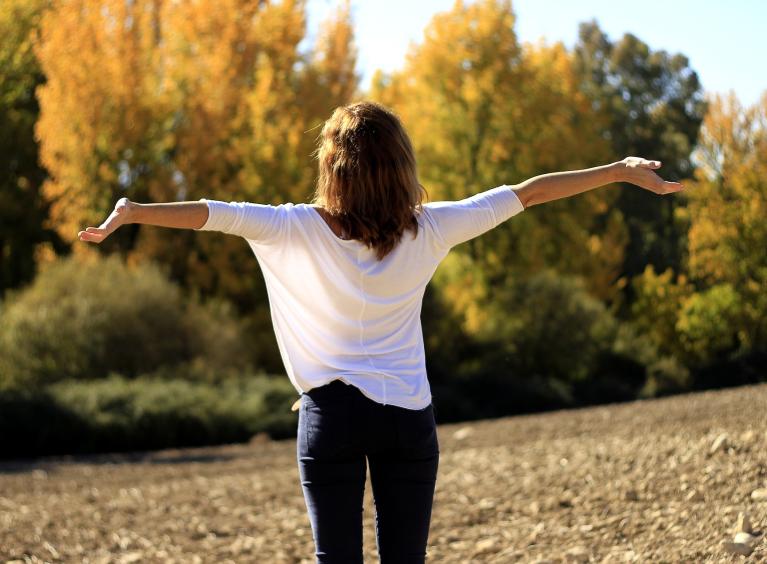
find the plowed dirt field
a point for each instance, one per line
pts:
(650, 481)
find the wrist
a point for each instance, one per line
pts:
(133, 211)
(616, 171)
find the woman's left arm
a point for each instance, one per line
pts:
(557, 185)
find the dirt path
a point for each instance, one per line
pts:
(625, 483)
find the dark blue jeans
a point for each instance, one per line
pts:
(338, 429)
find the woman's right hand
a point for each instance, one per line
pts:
(639, 171)
(119, 216)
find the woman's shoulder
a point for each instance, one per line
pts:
(307, 210)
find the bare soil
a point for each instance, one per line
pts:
(650, 481)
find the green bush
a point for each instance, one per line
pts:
(34, 423)
(548, 326)
(119, 414)
(666, 376)
(547, 343)
(82, 320)
(558, 328)
(709, 324)
(659, 299)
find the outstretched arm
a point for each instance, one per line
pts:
(180, 215)
(465, 219)
(556, 185)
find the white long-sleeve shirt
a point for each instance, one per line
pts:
(337, 312)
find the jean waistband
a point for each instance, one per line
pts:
(335, 388)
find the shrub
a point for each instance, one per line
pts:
(548, 326)
(666, 376)
(709, 324)
(545, 343)
(657, 306)
(82, 320)
(559, 328)
(119, 414)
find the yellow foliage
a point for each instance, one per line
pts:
(660, 299)
(728, 206)
(483, 110)
(728, 199)
(160, 101)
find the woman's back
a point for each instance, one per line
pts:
(338, 311)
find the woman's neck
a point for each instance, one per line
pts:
(332, 222)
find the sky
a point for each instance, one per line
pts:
(725, 42)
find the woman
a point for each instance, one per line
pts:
(345, 277)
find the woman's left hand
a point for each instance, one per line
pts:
(119, 216)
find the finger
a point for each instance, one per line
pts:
(650, 179)
(99, 230)
(670, 187)
(91, 236)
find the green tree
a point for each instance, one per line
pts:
(657, 306)
(653, 105)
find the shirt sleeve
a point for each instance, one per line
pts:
(461, 220)
(256, 222)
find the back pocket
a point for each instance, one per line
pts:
(417, 431)
(328, 432)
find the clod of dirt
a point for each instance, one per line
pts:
(745, 538)
(720, 443)
(486, 545)
(737, 548)
(748, 436)
(577, 554)
(463, 433)
(744, 524)
(744, 541)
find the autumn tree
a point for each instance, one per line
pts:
(484, 110)
(103, 128)
(163, 101)
(24, 234)
(231, 89)
(728, 233)
(715, 309)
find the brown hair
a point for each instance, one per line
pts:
(367, 175)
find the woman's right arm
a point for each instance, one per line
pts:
(465, 219)
(179, 215)
(556, 185)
